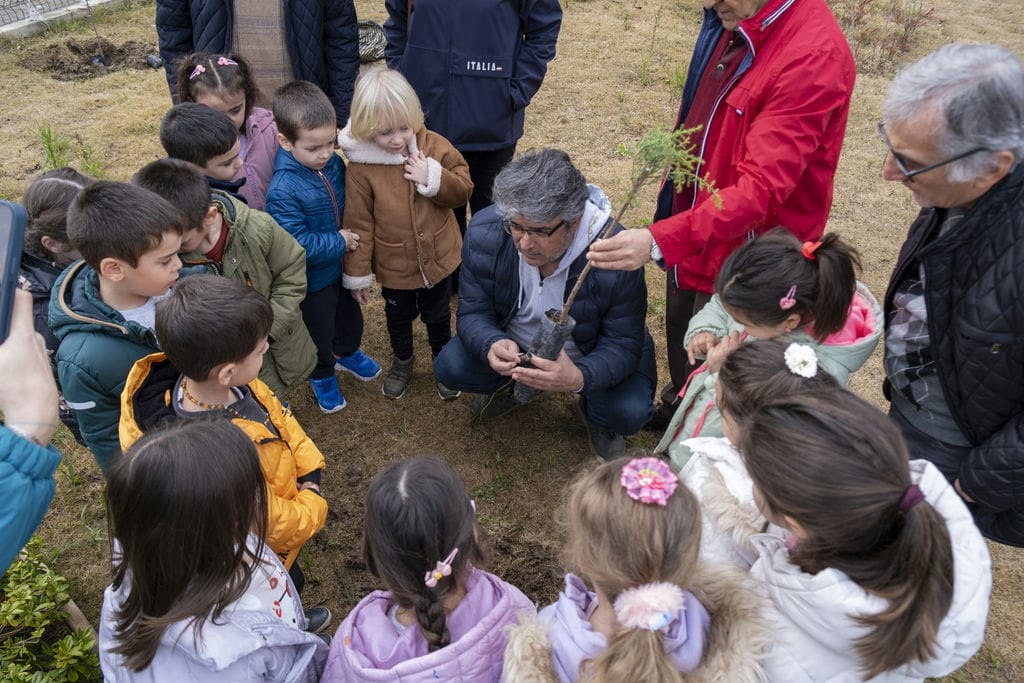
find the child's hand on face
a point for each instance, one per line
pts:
(351, 239)
(361, 295)
(700, 345)
(725, 346)
(416, 168)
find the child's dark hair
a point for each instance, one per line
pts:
(604, 525)
(300, 106)
(46, 202)
(761, 273)
(757, 373)
(180, 183)
(196, 133)
(838, 467)
(220, 75)
(417, 512)
(118, 220)
(165, 488)
(210, 320)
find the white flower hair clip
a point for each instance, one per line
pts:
(801, 360)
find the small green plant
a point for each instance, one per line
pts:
(56, 148)
(32, 621)
(879, 31)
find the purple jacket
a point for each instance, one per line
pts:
(368, 646)
(573, 640)
(258, 165)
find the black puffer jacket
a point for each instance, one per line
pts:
(974, 293)
(322, 35)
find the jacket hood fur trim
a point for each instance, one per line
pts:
(361, 152)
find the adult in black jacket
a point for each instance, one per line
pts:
(954, 352)
(320, 40)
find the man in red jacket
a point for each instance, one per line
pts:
(769, 85)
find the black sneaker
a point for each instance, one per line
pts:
(604, 443)
(317, 619)
(490, 406)
(398, 378)
(447, 394)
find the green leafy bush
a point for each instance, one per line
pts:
(34, 641)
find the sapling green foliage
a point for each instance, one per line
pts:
(658, 155)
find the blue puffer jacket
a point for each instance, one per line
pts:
(475, 65)
(322, 35)
(610, 309)
(26, 488)
(309, 205)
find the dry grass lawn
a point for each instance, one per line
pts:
(612, 80)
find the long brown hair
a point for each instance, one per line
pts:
(417, 511)
(46, 203)
(617, 543)
(838, 467)
(181, 504)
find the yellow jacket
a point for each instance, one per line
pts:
(293, 516)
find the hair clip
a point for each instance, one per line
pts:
(197, 72)
(801, 360)
(224, 61)
(808, 250)
(648, 480)
(789, 301)
(911, 497)
(650, 607)
(443, 569)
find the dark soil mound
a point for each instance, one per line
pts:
(77, 59)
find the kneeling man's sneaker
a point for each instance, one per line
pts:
(604, 443)
(489, 406)
(328, 394)
(358, 364)
(447, 394)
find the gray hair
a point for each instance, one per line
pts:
(978, 91)
(540, 186)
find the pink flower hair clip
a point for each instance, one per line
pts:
(649, 481)
(224, 61)
(197, 72)
(789, 301)
(443, 569)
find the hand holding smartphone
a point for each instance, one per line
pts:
(12, 236)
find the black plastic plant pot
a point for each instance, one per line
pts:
(547, 343)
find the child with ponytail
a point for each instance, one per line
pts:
(881, 573)
(225, 83)
(644, 608)
(775, 287)
(441, 617)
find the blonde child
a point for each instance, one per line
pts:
(403, 182)
(196, 593)
(776, 287)
(441, 617)
(881, 573)
(225, 83)
(644, 607)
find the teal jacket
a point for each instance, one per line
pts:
(840, 355)
(26, 487)
(260, 254)
(98, 348)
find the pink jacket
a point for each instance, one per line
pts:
(258, 165)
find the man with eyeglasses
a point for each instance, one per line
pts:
(520, 259)
(954, 348)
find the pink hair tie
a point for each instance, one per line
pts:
(443, 569)
(808, 250)
(197, 72)
(224, 61)
(649, 481)
(789, 301)
(911, 497)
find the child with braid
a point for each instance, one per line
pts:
(441, 618)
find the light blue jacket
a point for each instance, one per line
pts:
(26, 488)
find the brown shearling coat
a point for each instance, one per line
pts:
(407, 232)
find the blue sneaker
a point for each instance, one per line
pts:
(328, 395)
(360, 365)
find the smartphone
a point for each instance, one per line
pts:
(12, 238)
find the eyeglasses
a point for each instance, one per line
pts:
(902, 165)
(514, 229)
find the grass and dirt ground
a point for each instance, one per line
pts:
(616, 76)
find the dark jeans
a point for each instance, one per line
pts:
(297, 576)
(335, 322)
(624, 408)
(680, 306)
(402, 306)
(483, 167)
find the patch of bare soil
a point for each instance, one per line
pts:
(74, 59)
